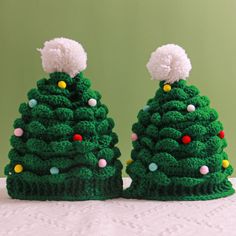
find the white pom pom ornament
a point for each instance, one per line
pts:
(169, 63)
(63, 55)
(191, 108)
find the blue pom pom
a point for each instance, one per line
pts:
(146, 108)
(32, 103)
(54, 171)
(153, 167)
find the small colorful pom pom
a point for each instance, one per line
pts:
(225, 163)
(134, 137)
(102, 163)
(32, 103)
(167, 88)
(77, 137)
(128, 162)
(18, 168)
(191, 108)
(221, 134)
(92, 102)
(62, 84)
(54, 171)
(204, 170)
(186, 139)
(146, 108)
(152, 166)
(18, 132)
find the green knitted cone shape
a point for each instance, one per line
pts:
(178, 148)
(67, 150)
(160, 129)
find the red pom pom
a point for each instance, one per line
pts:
(77, 137)
(221, 134)
(186, 139)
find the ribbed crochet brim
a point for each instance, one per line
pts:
(206, 191)
(72, 190)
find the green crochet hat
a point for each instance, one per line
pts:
(63, 147)
(178, 142)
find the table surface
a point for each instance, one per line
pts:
(117, 217)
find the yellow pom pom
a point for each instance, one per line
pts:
(62, 84)
(167, 88)
(225, 163)
(18, 168)
(129, 161)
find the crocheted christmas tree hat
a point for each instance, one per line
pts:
(178, 142)
(63, 147)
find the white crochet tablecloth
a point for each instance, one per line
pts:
(120, 217)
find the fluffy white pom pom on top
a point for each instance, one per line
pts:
(63, 55)
(169, 63)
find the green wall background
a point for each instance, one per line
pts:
(119, 36)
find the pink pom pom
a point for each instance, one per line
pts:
(102, 163)
(18, 132)
(134, 136)
(204, 170)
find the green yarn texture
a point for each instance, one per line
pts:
(47, 141)
(160, 129)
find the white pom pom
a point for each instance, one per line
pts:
(169, 63)
(191, 108)
(63, 55)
